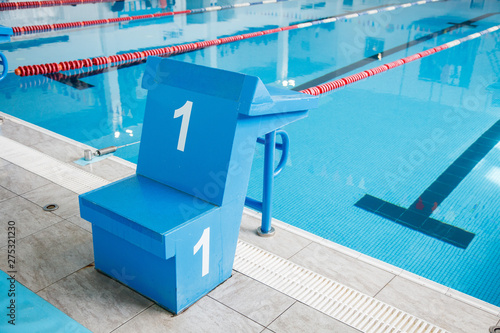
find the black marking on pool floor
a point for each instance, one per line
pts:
(375, 57)
(417, 216)
(470, 25)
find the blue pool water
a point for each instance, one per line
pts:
(390, 136)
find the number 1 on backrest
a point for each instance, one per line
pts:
(185, 112)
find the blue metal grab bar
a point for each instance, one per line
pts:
(3, 61)
(265, 206)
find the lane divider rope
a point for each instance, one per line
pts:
(335, 84)
(115, 60)
(48, 3)
(31, 29)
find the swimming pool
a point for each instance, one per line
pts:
(383, 140)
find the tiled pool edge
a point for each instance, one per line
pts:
(469, 300)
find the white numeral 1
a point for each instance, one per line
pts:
(185, 112)
(205, 243)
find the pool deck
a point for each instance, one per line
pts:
(55, 259)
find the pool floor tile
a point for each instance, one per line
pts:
(458, 171)
(369, 203)
(450, 179)
(391, 211)
(459, 237)
(412, 218)
(435, 228)
(466, 163)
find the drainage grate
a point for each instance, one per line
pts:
(63, 174)
(347, 305)
(50, 207)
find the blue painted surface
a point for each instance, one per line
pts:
(31, 313)
(5, 66)
(5, 33)
(173, 227)
(364, 139)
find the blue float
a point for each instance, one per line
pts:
(170, 231)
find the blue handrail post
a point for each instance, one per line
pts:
(266, 230)
(265, 206)
(4, 63)
(5, 33)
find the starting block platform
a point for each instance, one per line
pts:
(170, 231)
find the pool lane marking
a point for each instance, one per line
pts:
(385, 53)
(31, 29)
(417, 216)
(115, 60)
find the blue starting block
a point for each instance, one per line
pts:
(170, 231)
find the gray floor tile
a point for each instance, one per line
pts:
(59, 149)
(284, 243)
(28, 217)
(6, 194)
(55, 194)
(108, 169)
(301, 318)
(252, 299)
(51, 254)
(206, 315)
(94, 300)
(21, 133)
(77, 220)
(18, 180)
(437, 308)
(343, 269)
(3, 162)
